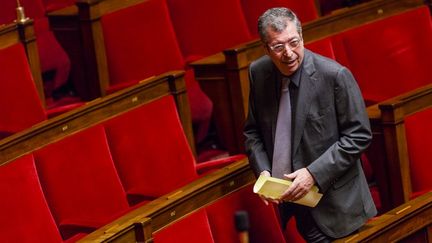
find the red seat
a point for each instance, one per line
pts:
(153, 158)
(80, 182)
(148, 142)
(418, 133)
(18, 110)
(204, 28)
(140, 42)
(20, 103)
(323, 47)
(52, 56)
(253, 9)
(25, 216)
(388, 57)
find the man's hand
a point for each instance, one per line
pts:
(302, 183)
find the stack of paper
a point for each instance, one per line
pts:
(273, 188)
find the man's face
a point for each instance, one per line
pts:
(285, 48)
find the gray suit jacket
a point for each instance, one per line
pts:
(330, 131)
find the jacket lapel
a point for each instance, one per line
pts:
(305, 95)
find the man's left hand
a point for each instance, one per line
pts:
(302, 183)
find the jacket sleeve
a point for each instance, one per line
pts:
(354, 133)
(254, 144)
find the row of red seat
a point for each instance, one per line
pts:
(388, 58)
(182, 31)
(75, 185)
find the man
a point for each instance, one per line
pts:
(307, 123)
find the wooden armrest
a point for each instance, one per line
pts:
(94, 112)
(398, 223)
(179, 203)
(394, 110)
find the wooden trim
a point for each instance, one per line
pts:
(93, 113)
(397, 224)
(391, 120)
(178, 204)
(28, 38)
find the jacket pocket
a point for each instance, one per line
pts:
(349, 176)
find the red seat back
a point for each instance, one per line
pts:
(323, 47)
(140, 42)
(253, 9)
(24, 216)
(150, 149)
(418, 134)
(207, 27)
(20, 105)
(80, 181)
(390, 56)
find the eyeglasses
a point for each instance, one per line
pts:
(281, 47)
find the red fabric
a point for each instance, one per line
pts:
(51, 54)
(323, 47)
(418, 134)
(24, 216)
(212, 165)
(264, 224)
(19, 101)
(148, 142)
(207, 27)
(148, 43)
(390, 56)
(194, 228)
(149, 47)
(80, 181)
(253, 9)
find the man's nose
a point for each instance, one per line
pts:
(288, 52)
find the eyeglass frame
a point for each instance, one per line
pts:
(283, 45)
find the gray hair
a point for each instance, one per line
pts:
(276, 19)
